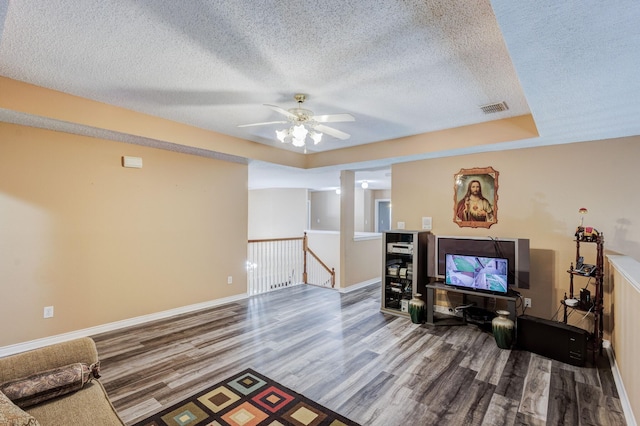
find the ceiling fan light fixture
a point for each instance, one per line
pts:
(282, 134)
(297, 135)
(304, 123)
(297, 142)
(299, 132)
(316, 137)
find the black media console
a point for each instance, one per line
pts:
(453, 320)
(553, 339)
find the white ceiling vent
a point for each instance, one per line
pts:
(491, 108)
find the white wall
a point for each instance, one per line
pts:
(277, 213)
(325, 210)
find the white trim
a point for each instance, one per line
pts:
(359, 285)
(363, 236)
(628, 267)
(622, 393)
(46, 341)
(321, 231)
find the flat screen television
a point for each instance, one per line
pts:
(515, 250)
(486, 274)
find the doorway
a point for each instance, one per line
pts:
(383, 215)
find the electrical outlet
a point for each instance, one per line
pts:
(527, 302)
(229, 279)
(400, 225)
(48, 312)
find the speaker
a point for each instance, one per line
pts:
(552, 339)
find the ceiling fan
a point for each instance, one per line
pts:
(304, 123)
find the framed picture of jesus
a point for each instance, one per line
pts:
(475, 197)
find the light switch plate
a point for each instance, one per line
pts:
(427, 223)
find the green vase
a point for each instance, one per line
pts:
(503, 329)
(417, 309)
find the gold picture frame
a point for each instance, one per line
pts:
(475, 197)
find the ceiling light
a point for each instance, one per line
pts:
(316, 137)
(282, 135)
(365, 184)
(297, 135)
(299, 132)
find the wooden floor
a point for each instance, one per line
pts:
(341, 351)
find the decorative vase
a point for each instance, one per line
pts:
(503, 328)
(417, 309)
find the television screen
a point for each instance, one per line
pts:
(515, 250)
(477, 273)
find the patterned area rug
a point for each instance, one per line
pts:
(247, 399)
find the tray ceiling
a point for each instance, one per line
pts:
(400, 68)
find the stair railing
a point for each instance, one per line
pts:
(283, 262)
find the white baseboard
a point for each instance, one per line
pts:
(622, 393)
(359, 285)
(46, 341)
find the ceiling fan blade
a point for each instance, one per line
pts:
(262, 124)
(332, 132)
(282, 111)
(333, 118)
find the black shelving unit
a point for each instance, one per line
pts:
(404, 269)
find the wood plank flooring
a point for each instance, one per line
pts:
(341, 351)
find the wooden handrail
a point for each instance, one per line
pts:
(268, 240)
(305, 249)
(318, 259)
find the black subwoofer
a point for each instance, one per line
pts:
(552, 339)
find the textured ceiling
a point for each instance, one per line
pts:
(400, 68)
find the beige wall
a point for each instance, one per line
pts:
(381, 194)
(80, 225)
(540, 192)
(38, 101)
(277, 213)
(103, 243)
